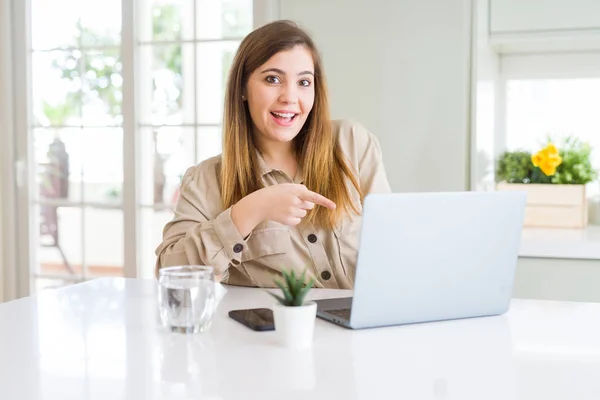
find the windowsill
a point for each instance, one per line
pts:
(561, 243)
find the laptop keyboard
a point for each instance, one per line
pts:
(341, 312)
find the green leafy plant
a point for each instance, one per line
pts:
(514, 167)
(575, 166)
(294, 288)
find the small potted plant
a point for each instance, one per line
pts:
(294, 318)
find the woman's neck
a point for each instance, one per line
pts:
(280, 156)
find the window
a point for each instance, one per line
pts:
(537, 109)
(76, 133)
(182, 80)
(78, 127)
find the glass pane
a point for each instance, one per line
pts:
(166, 153)
(55, 23)
(153, 222)
(103, 233)
(166, 20)
(214, 60)
(56, 85)
(557, 108)
(59, 251)
(58, 160)
(100, 22)
(209, 142)
(102, 93)
(167, 84)
(223, 18)
(102, 156)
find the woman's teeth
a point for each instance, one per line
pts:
(285, 116)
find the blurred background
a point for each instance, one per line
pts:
(79, 59)
(106, 104)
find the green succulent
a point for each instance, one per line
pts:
(294, 288)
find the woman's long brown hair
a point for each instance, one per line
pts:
(325, 169)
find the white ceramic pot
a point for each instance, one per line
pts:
(295, 326)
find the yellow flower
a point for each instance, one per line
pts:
(548, 168)
(551, 149)
(554, 159)
(547, 159)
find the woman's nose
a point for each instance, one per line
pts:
(289, 94)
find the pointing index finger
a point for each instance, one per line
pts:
(319, 199)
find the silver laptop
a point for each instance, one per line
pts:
(432, 256)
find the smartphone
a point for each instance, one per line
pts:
(258, 319)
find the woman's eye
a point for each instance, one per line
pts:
(305, 82)
(272, 79)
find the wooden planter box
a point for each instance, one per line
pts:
(552, 206)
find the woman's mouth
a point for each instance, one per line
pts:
(283, 118)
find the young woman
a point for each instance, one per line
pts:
(288, 188)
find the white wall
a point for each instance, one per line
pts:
(402, 69)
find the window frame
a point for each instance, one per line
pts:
(497, 70)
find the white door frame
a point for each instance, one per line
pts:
(8, 270)
(21, 181)
(131, 222)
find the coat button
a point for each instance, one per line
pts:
(312, 238)
(238, 248)
(326, 275)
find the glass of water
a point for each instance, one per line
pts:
(186, 298)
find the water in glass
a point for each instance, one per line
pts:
(187, 298)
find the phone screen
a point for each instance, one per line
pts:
(258, 319)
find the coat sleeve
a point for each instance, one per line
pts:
(201, 233)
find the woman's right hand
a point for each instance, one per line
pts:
(286, 203)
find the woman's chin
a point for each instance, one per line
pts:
(282, 135)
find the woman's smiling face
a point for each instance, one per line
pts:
(281, 94)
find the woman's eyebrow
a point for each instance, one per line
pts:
(278, 71)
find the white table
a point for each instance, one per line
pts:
(101, 340)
